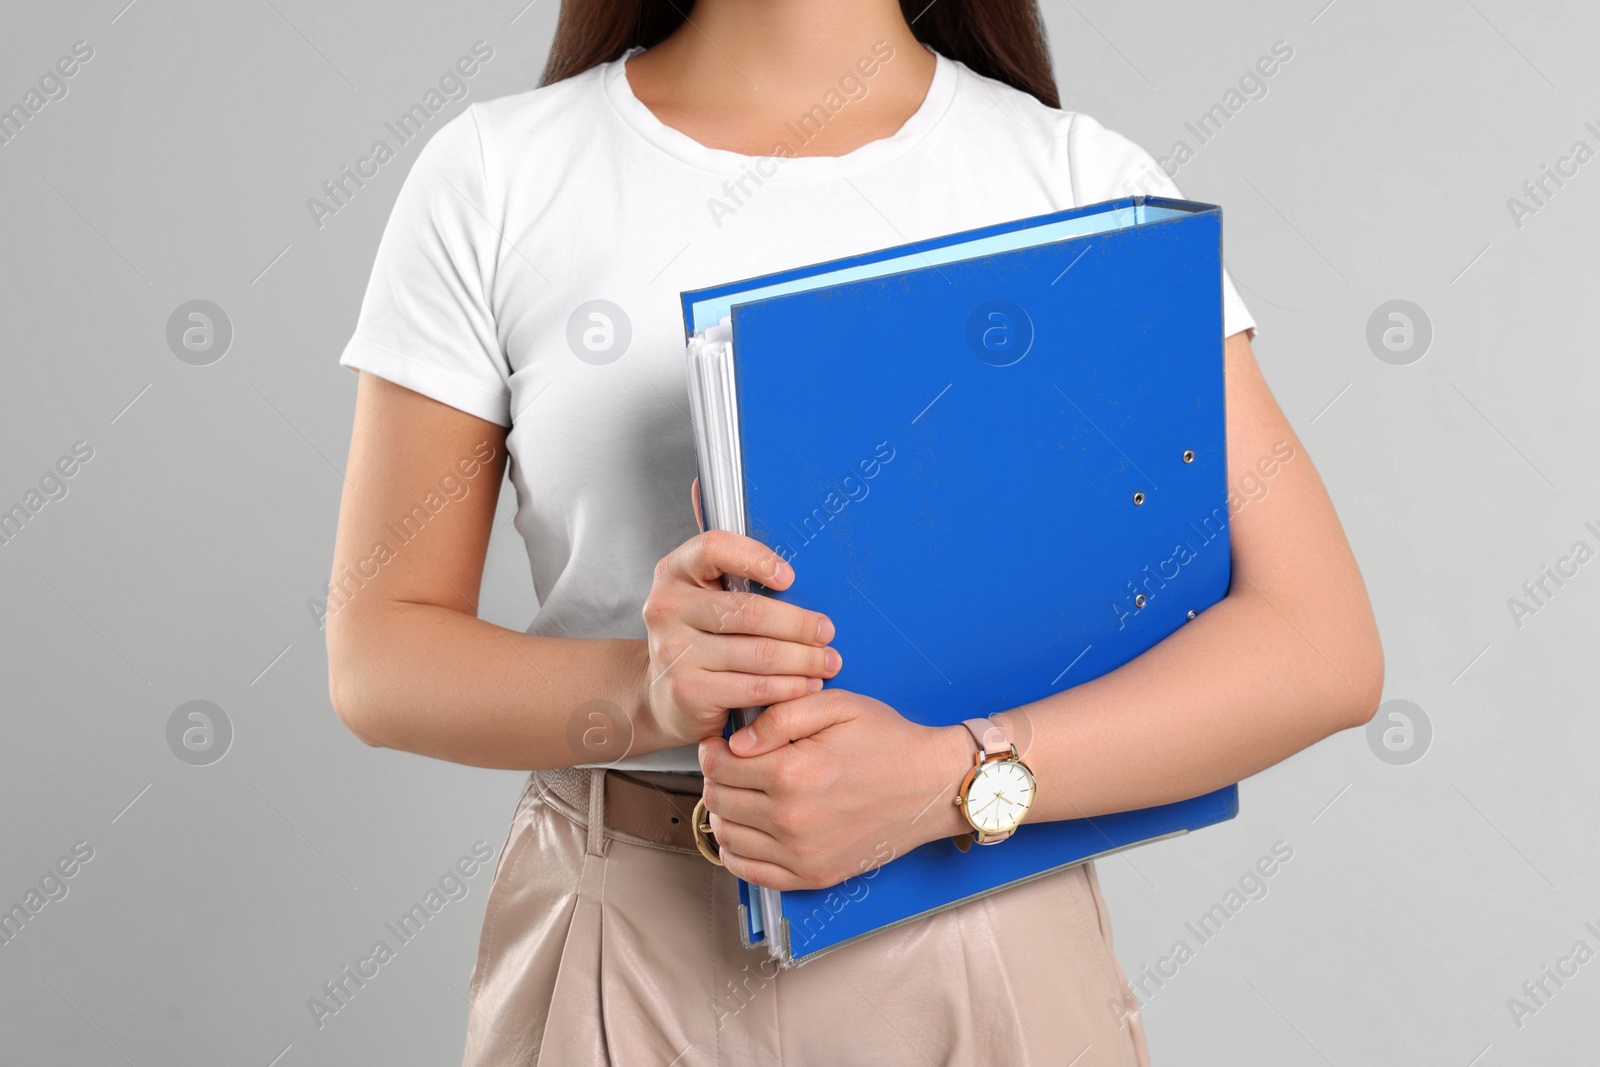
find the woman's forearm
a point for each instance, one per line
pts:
(411, 666)
(427, 679)
(1233, 692)
(1289, 656)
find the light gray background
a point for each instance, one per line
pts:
(221, 897)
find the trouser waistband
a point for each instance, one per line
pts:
(624, 807)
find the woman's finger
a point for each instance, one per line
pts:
(719, 764)
(767, 655)
(739, 690)
(703, 560)
(719, 612)
(762, 873)
(792, 720)
(749, 807)
(747, 841)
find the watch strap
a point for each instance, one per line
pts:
(990, 737)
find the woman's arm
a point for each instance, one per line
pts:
(1288, 657)
(411, 666)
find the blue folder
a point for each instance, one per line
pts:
(997, 461)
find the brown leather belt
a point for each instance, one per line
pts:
(634, 809)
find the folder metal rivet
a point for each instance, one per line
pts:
(1138, 498)
(1139, 601)
(1188, 455)
(1192, 614)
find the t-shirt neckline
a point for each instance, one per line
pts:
(679, 145)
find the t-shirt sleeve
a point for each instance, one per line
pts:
(1105, 165)
(426, 320)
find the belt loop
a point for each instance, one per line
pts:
(597, 811)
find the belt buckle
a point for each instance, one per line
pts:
(700, 824)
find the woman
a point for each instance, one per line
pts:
(524, 306)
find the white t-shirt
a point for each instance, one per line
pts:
(523, 213)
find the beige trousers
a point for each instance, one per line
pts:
(597, 950)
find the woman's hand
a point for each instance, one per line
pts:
(711, 650)
(828, 786)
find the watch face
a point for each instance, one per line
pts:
(1000, 795)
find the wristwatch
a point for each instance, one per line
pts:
(998, 791)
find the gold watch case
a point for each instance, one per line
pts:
(995, 796)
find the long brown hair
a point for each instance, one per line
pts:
(1000, 39)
